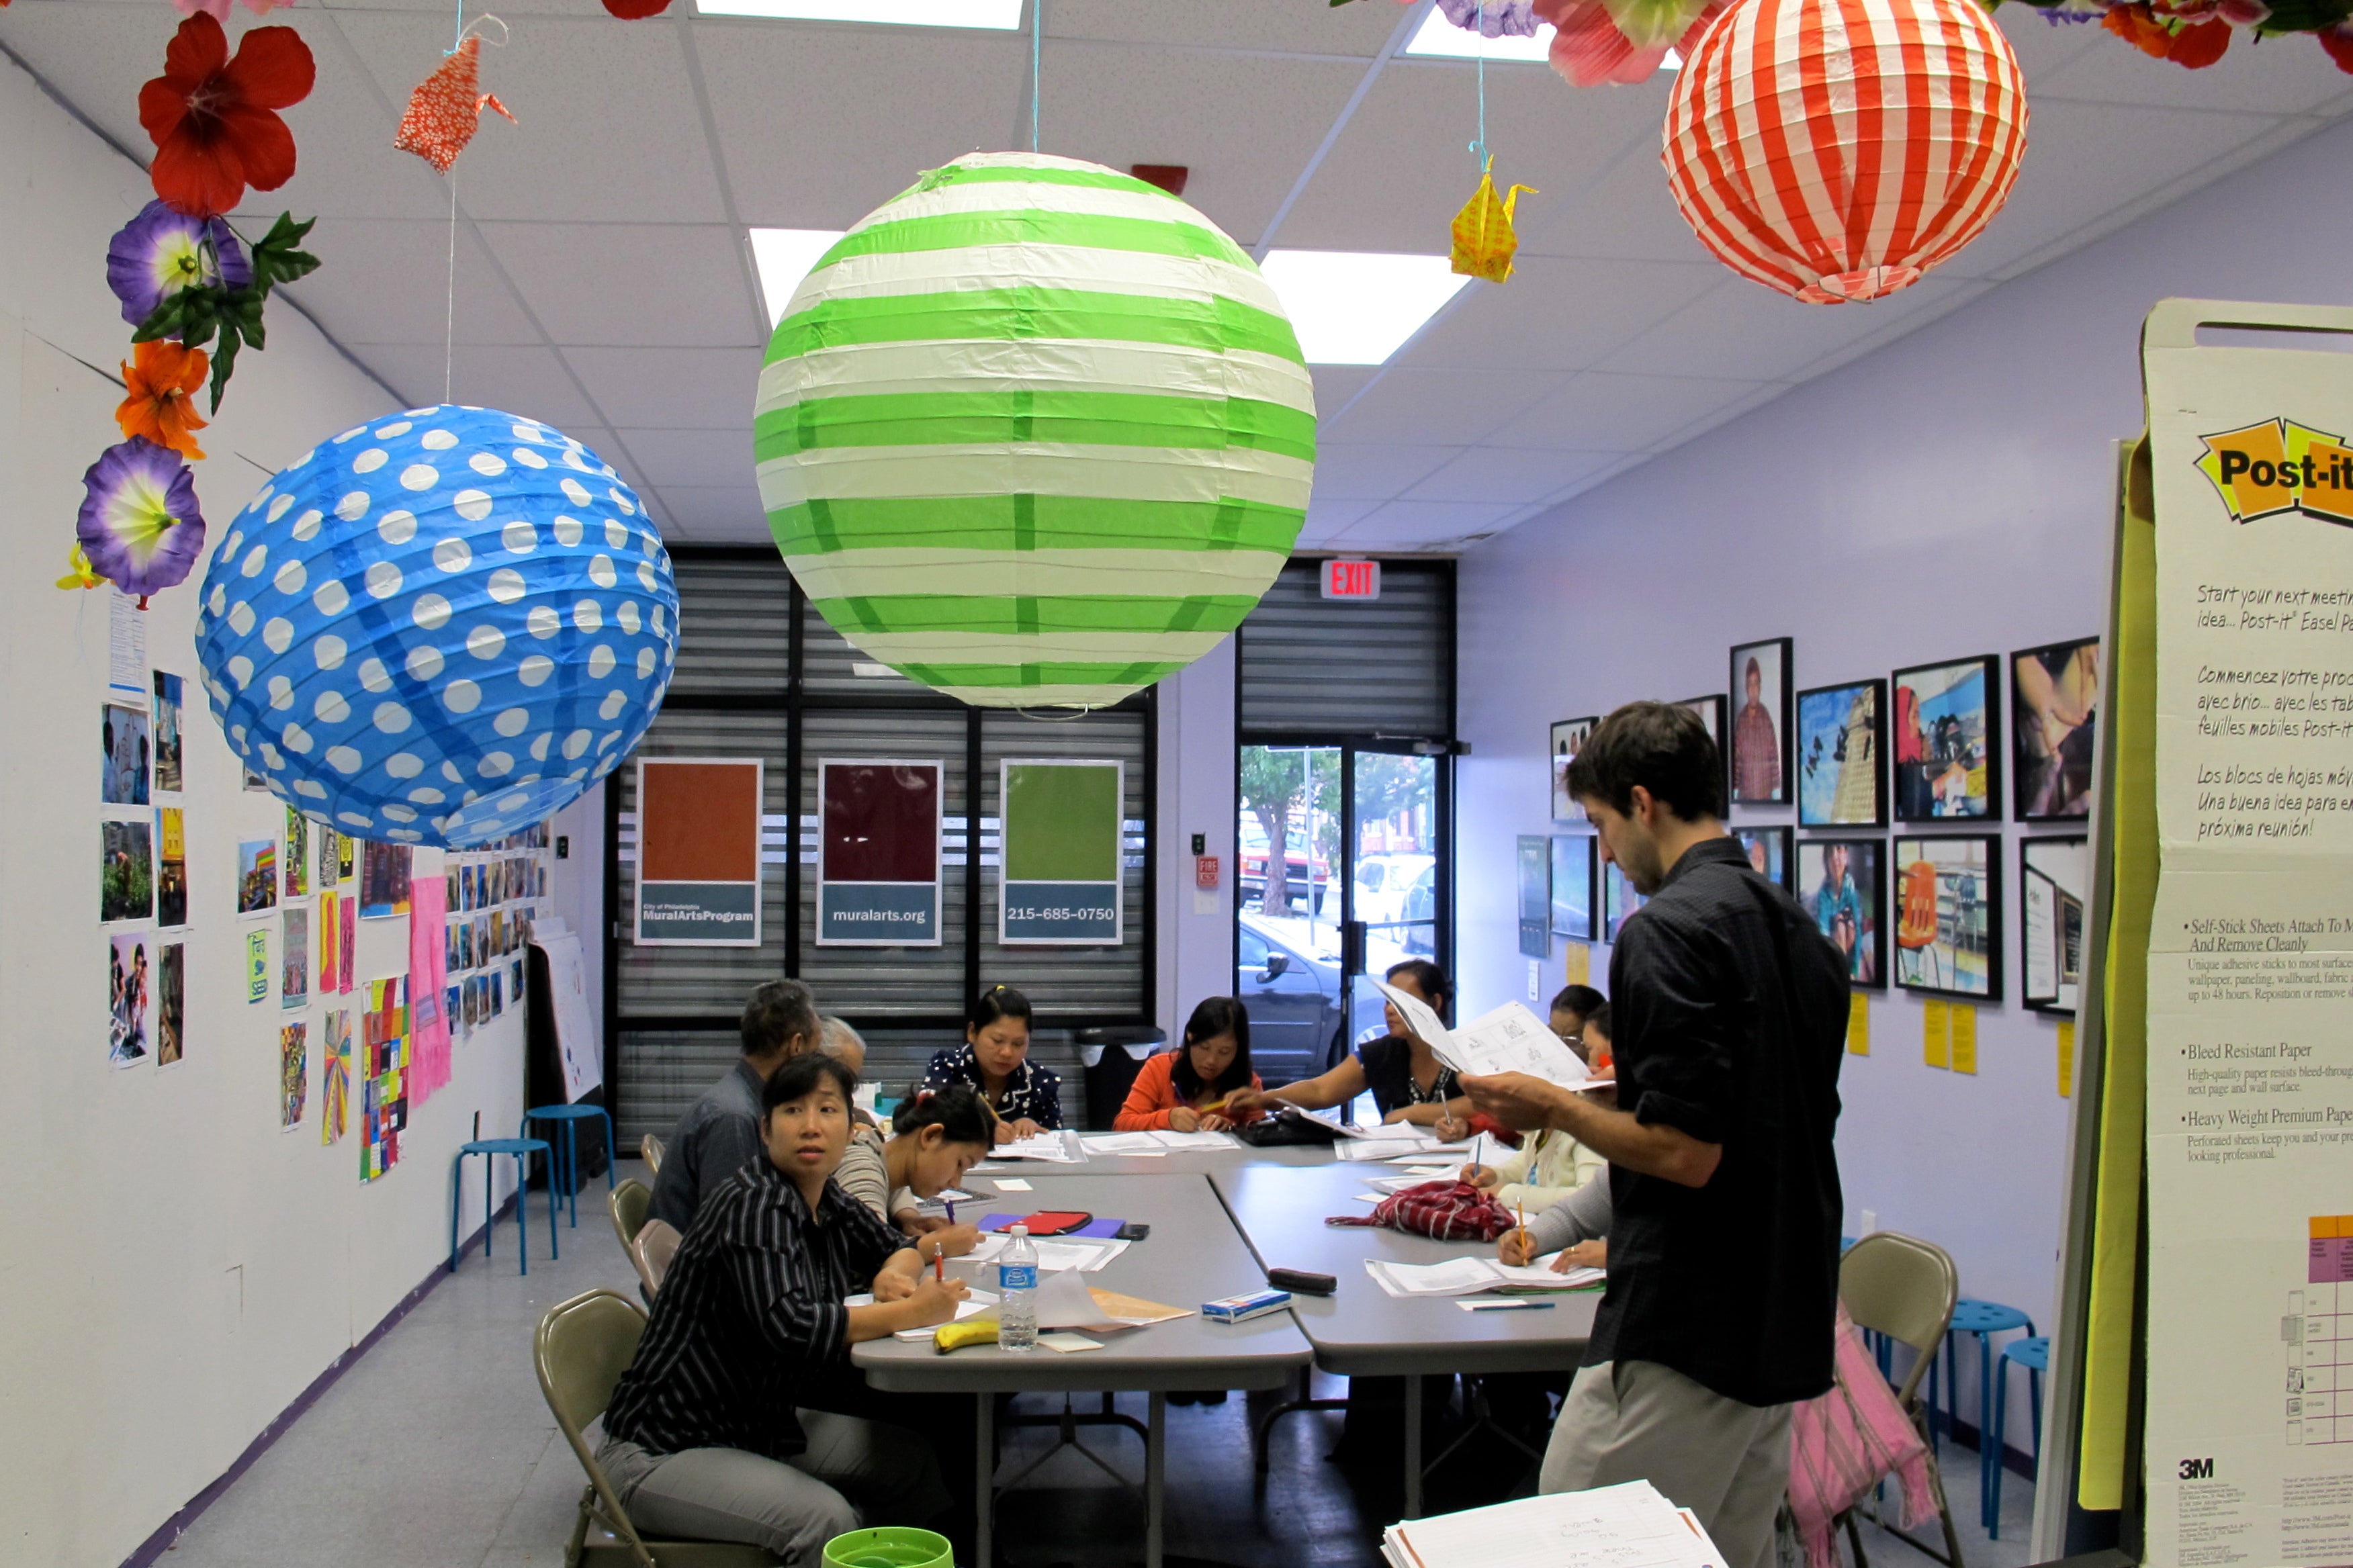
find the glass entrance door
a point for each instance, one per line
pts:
(1340, 874)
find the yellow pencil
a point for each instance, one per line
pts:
(1522, 1206)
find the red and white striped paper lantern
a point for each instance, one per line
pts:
(1836, 150)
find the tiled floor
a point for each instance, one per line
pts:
(437, 1451)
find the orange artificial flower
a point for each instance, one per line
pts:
(162, 381)
(2195, 46)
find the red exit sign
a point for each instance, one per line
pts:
(1352, 579)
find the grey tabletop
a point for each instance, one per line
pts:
(1362, 1331)
(1193, 1255)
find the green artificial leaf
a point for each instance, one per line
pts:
(234, 314)
(276, 257)
(224, 362)
(2303, 16)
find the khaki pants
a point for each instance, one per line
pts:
(1637, 1420)
(854, 1473)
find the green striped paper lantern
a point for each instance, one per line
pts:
(1034, 432)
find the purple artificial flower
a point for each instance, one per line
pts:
(140, 525)
(1493, 18)
(161, 252)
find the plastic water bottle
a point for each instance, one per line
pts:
(1017, 1293)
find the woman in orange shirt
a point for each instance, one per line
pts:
(1184, 1091)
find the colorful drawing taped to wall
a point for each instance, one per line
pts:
(1948, 915)
(256, 967)
(346, 856)
(171, 1003)
(171, 866)
(1945, 718)
(383, 879)
(126, 882)
(334, 1075)
(330, 942)
(293, 1074)
(129, 994)
(168, 747)
(257, 875)
(347, 935)
(383, 1081)
(122, 755)
(294, 960)
(1842, 883)
(296, 860)
(1842, 755)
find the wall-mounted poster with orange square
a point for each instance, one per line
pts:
(699, 852)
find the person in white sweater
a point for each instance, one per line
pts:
(1549, 1164)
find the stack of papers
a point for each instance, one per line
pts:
(1150, 1143)
(1084, 1256)
(971, 1306)
(1509, 1039)
(1061, 1148)
(1628, 1526)
(1470, 1276)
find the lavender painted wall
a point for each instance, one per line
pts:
(1949, 495)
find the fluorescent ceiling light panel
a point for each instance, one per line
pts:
(784, 257)
(1354, 307)
(1440, 39)
(1004, 15)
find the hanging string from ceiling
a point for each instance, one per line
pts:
(1485, 240)
(1037, 55)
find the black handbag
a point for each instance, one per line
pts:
(1284, 1129)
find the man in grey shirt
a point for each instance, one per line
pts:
(719, 1133)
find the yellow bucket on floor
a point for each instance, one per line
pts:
(888, 1546)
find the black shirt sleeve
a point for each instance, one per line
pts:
(1674, 1037)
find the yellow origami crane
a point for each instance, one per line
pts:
(1485, 242)
(80, 575)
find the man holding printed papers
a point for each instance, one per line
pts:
(1731, 1013)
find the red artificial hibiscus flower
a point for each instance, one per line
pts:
(215, 120)
(2339, 45)
(2194, 46)
(636, 10)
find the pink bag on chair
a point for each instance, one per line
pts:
(1845, 1442)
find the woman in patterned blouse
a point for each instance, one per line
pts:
(1025, 1098)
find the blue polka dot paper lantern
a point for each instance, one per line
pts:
(439, 627)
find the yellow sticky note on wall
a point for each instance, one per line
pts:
(1935, 1035)
(1580, 964)
(1858, 1025)
(1964, 1037)
(2066, 1057)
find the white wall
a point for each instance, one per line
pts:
(1196, 955)
(1949, 495)
(177, 1270)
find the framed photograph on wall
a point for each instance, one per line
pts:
(1575, 859)
(1767, 849)
(1536, 896)
(1948, 915)
(1842, 755)
(2054, 708)
(1760, 722)
(2055, 883)
(1945, 718)
(1711, 711)
(1618, 901)
(1567, 735)
(1842, 883)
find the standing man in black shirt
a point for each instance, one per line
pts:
(1731, 1009)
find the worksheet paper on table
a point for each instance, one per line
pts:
(971, 1306)
(1085, 1257)
(1055, 1147)
(1468, 1276)
(1627, 1526)
(1509, 1039)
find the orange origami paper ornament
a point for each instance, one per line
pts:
(447, 108)
(1484, 241)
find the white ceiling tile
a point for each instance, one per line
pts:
(1443, 407)
(1337, 383)
(1626, 212)
(728, 514)
(2043, 47)
(1326, 517)
(680, 285)
(1357, 29)
(526, 381)
(1424, 525)
(1403, 167)
(1373, 471)
(671, 389)
(821, 126)
(710, 458)
(1509, 475)
(1558, 312)
(1744, 329)
(1127, 106)
(387, 282)
(2284, 74)
(607, 128)
(1601, 412)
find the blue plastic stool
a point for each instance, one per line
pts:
(2034, 1355)
(1985, 1320)
(572, 1116)
(523, 1149)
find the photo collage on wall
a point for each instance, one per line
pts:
(143, 881)
(1866, 789)
(495, 893)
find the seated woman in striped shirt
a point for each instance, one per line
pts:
(716, 1432)
(1024, 1098)
(1184, 1091)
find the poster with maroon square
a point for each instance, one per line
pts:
(877, 877)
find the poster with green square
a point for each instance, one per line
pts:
(1058, 871)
